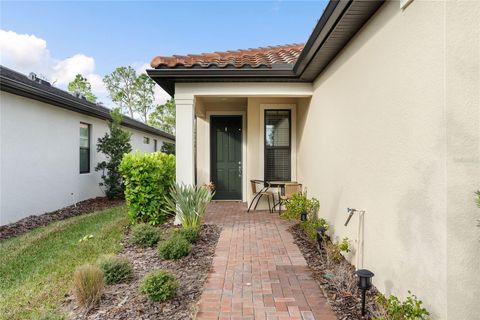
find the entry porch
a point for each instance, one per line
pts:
(229, 138)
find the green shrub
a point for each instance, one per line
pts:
(174, 248)
(189, 203)
(147, 178)
(189, 233)
(159, 285)
(145, 235)
(88, 285)
(168, 148)
(410, 309)
(310, 226)
(113, 145)
(115, 269)
(299, 203)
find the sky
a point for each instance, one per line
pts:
(58, 39)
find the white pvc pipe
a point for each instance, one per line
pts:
(360, 240)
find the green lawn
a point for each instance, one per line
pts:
(36, 268)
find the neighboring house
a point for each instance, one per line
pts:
(378, 111)
(48, 141)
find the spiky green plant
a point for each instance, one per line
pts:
(189, 203)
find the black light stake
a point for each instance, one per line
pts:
(364, 283)
(303, 216)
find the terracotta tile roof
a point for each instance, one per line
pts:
(250, 58)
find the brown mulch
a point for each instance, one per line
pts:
(123, 301)
(34, 221)
(337, 280)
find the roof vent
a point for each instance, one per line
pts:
(32, 76)
(78, 94)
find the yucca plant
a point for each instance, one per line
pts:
(189, 203)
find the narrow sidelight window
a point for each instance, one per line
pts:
(277, 145)
(155, 145)
(84, 148)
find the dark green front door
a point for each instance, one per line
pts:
(226, 157)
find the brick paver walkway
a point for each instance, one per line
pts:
(258, 272)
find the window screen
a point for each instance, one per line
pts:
(277, 145)
(84, 148)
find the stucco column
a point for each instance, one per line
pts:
(185, 166)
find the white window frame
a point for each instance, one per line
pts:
(293, 132)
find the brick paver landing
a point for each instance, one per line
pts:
(258, 272)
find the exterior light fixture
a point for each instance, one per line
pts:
(364, 283)
(303, 216)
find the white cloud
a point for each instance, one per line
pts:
(22, 50)
(65, 70)
(161, 96)
(27, 53)
(97, 83)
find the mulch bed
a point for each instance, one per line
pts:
(32, 222)
(123, 301)
(337, 280)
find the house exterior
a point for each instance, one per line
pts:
(378, 111)
(48, 146)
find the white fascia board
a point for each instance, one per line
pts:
(243, 89)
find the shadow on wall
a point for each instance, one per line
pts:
(380, 18)
(420, 229)
(303, 107)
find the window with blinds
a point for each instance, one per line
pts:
(84, 148)
(277, 145)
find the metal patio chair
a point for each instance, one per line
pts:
(260, 188)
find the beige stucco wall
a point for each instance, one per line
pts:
(393, 128)
(462, 107)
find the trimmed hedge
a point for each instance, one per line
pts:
(115, 269)
(147, 178)
(174, 248)
(159, 285)
(190, 233)
(145, 235)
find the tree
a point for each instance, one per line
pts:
(168, 148)
(163, 117)
(113, 145)
(81, 85)
(144, 95)
(121, 84)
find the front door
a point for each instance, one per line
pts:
(226, 156)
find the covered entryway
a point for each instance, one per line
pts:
(226, 156)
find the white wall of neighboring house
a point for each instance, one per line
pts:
(39, 157)
(393, 127)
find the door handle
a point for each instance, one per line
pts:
(239, 169)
